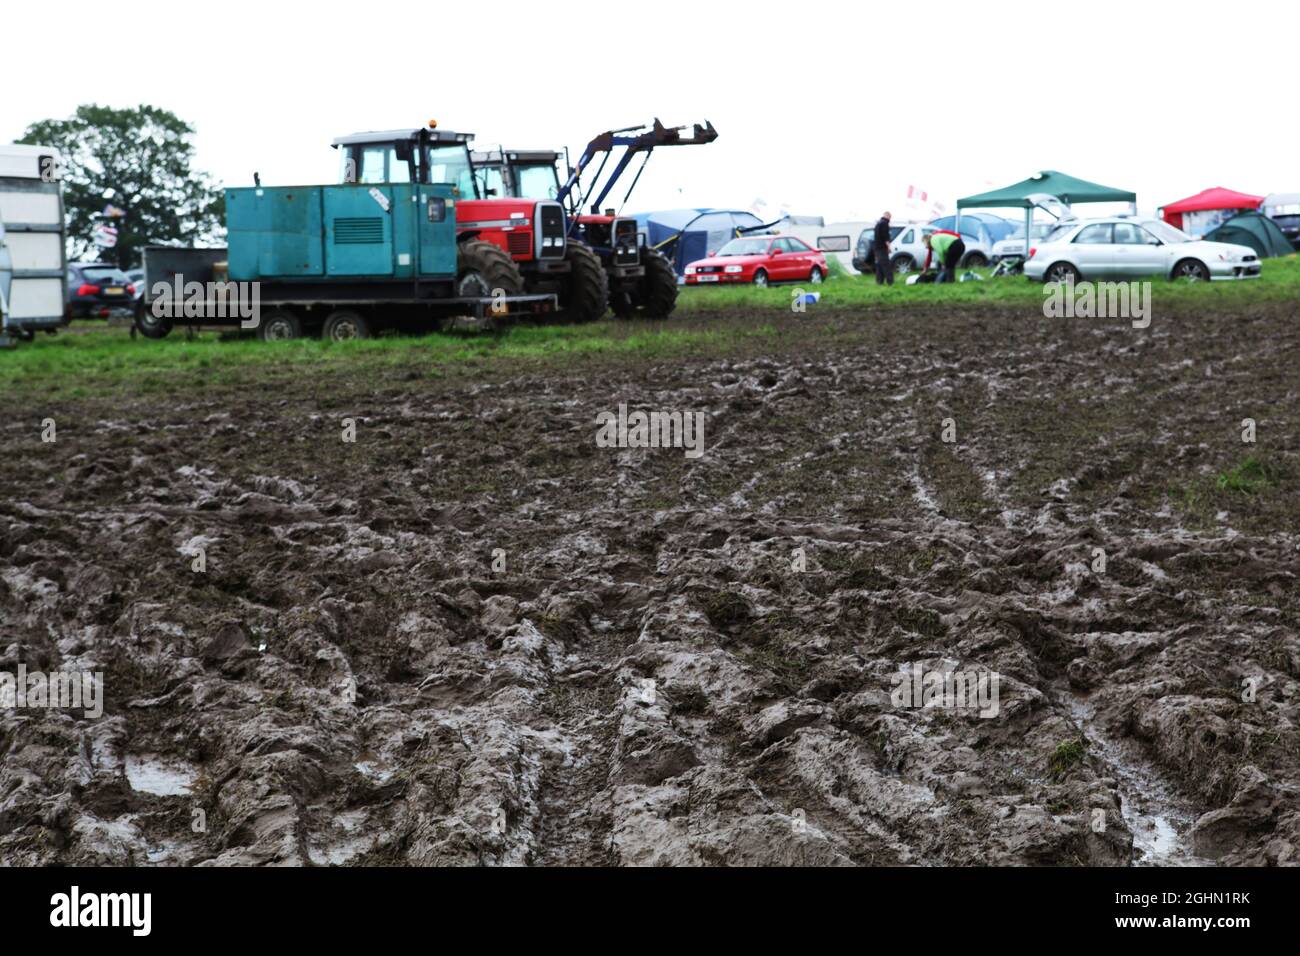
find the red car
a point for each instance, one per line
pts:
(760, 260)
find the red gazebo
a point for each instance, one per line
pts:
(1208, 199)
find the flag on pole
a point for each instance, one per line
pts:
(104, 236)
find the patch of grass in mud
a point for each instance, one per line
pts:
(921, 621)
(1247, 490)
(789, 668)
(1067, 755)
(1250, 477)
(726, 610)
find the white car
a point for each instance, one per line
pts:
(1013, 247)
(907, 250)
(1124, 247)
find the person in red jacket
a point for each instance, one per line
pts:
(949, 247)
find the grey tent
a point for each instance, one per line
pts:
(1252, 229)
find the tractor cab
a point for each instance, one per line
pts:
(531, 232)
(522, 173)
(424, 155)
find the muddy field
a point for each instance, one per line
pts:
(471, 636)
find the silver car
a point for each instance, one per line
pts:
(1123, 247)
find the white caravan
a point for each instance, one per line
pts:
(33, 270)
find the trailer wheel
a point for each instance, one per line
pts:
(148, 324)
(279, 326)
(482, 269)
(344, 325)
(586, 293)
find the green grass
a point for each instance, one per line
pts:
(1250, 477)
(1280, 281)
(1067, 755)
(91, 359)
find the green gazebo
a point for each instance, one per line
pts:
(1049, 182)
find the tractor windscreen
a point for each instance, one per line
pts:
(450, 164)
(537, 181)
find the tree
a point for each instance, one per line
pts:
(138, 160)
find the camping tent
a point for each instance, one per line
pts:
(1252, 229)
(1197, 215)
(1024, 195)
(684, 235)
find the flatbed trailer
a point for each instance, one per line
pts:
(343, 260)
(381, 304)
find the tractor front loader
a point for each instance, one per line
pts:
(641, 281)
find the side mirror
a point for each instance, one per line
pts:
(777, 252)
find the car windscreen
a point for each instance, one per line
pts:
(1059, 232)
(105, 275)
(1165, 232)
(744, 247)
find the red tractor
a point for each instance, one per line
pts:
(641, 280)
(518, 246)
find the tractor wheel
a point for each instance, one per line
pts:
(482, 269)
(655, 296)
(586, 292)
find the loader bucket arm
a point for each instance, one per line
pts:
(633, 140)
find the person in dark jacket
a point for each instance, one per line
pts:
(880, 249)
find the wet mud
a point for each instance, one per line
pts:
(472, 636)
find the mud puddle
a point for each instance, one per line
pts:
(1159, 817)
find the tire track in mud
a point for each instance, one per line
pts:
(680, 661)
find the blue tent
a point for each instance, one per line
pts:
(684, 235)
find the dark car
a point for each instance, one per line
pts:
(864, 254)
(98, 290)
(1284, 209)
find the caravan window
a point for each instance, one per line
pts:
(833, 243)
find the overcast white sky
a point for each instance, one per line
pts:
(830, 108)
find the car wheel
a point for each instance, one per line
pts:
(903, 264)
(1192, 270)
(279, 326)
(760, 278)
(975, 260)
(815, 277)
(344, 325)
(1061, 272)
